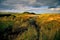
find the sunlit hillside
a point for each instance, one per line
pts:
(29, 26)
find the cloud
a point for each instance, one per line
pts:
(30, 5)
(36, 10)
(33, 3)
(4, 7)
(2, 1)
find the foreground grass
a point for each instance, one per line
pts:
(48, 25)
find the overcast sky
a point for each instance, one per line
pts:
(38, 6)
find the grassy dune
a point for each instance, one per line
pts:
(30, 26)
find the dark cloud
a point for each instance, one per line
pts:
(49, 3)
(58, 2)
(2, 1)
(11, 4)
(52, 7)
(3, 7)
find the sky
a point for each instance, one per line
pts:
(37, 6)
